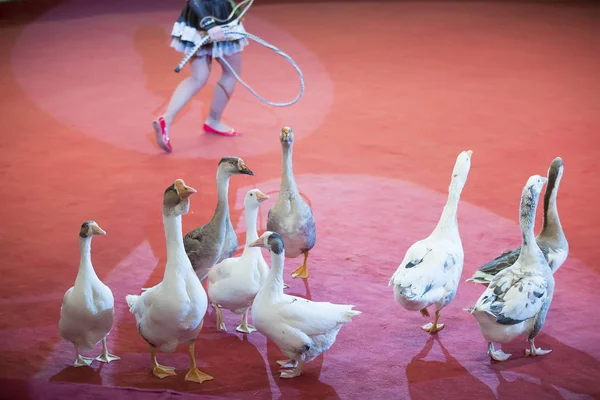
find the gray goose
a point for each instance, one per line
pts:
(551, 239)
(291, 217)
(518, 298)
(212, 243)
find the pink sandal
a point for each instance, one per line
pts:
(162, 138)
(231, 133)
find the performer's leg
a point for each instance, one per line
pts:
(223, 91)
(188, 87)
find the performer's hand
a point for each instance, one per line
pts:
(216, 34)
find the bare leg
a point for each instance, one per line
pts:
(188, 87)
(223, 92)
(160, 371)
(533, 351)
(302, 271)
(244, 327)
(497, 355)
(194, 374)
(106, 356)
(435, 327)
(81, 361)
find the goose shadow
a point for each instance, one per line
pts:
(236, 365)
(305, 386)
(526, 389)
(442, 379)
(17, 389)
(583, 375)
(71, 374)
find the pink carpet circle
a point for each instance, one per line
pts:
(365, 224)
(108, 73)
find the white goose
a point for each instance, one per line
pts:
(517, 299)
(431, 269)
(87, 312)
(172, 312)
(301, 329)
(234, 282)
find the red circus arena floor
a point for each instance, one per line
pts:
(394, 91)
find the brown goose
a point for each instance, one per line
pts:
(216, 241)
(551, 239)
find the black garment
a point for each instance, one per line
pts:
(195, 10)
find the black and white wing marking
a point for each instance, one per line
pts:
(450, 262)
(515, 296)
(416, 261)
(500, 263)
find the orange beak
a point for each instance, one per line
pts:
(183, 190)
(256, 243)
(260, 196)
(97, 230)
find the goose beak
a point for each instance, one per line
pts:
(286, 134)
(256, 243)
(188, 191)
(183, 190)
(469, 152)
(243, 169)
(260, 196)
(96, 230)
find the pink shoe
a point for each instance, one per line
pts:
(162, 138)
(208, 129)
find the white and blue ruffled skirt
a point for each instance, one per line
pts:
(185, 38)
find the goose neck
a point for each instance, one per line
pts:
(223, 190)
(85, 258)
(274, 281)
(176, 255)
(528, 207)
(448, 220)
(250, 217)
(287, 178)
(551, 222)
